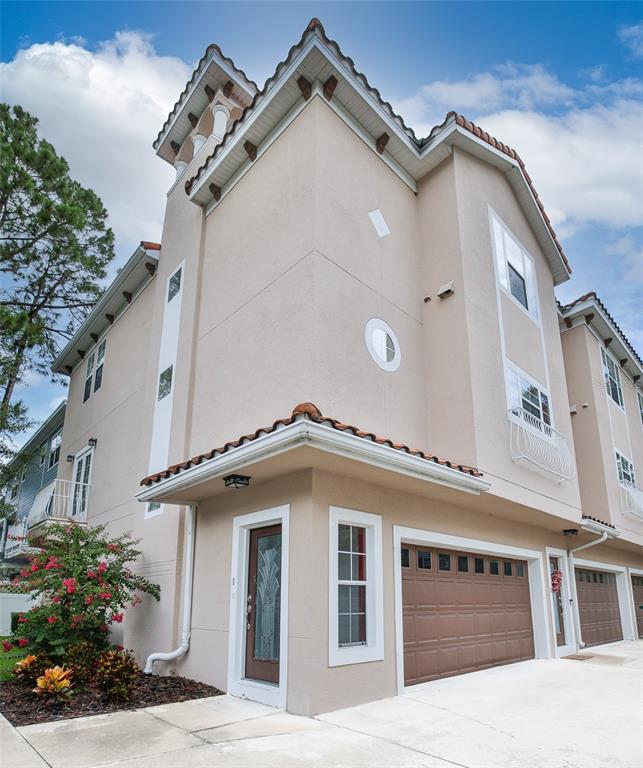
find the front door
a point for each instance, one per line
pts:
(80, 488)
(556, 596)
(263, 603)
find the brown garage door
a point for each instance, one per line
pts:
(600, 618)
(637, 590)
(462, 612)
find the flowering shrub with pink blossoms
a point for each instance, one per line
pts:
(82, 582)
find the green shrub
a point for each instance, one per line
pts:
(14, 621)
(117, 674)
(81, 658)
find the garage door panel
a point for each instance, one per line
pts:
(598, 607)
(459, 621)
(637, 592)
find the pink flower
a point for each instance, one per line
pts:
(6, 645)
(22, 620)
(89, 599)
(24, 572)
(112, 547)
(91, 574)
(102, 566)
(52, 619)
(136, 600)
(22, 642)
(15, 581)
(105, 595)
(76, 619)
(69, 585)
(52, 563)
(117, 617)
(34, 567)
(55, 599)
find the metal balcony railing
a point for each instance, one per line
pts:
(16, 539)
(632, 498)
(61, 500)
(538, 443)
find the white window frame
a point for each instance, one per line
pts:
(94, 362)
(620, 459)
(373, 649)
(512, 368)
(524, 264)
(566, 598)
(605, 357)
(377, 324)
(238, 684)
(53, 448)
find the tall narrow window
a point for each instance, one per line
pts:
(174, 285)
(639, 395)
(612, 379)
(43, 453)
(89, 374)
(100, 361)
(355, 604)
(54, 448)
(351, 581)
(514, 267)
(517, 286)
(165, 383)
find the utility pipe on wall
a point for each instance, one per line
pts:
(572, 576)
(188, 581)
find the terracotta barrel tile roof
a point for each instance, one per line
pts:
(150, 246)
(311, 412)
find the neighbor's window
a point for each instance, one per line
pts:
(89, 374)
(612, 379)
(174, 285)
(43, 453)
(100, 360)
(625, 470)
(165, 383)
(527, 399)
(356, 619)
(515, 267)
(54, 448)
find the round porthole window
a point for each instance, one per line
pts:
(382, 344)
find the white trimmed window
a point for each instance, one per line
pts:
(515, 268)
(612, 378)
(54, 448)
(625, 470)
(382, 344)
(527, 399)
(94, 370)
(174, 285)
(356, 620)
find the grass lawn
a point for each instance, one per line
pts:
(7, 660)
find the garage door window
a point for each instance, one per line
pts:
(479, 565)
(494, 567)
(424, 560)
(355, 595)
(444, 562)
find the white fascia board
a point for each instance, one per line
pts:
(324, 438)
(139, 255)
(591, 526)
(232, 75)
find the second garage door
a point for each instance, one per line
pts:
(462, 612)
(637, 590)
(600, 617)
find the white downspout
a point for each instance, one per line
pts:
(572, 577)
(188, 580)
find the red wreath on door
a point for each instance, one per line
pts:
(556, 580)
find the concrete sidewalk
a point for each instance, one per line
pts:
(536, 714)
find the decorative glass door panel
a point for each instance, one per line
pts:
(82, 470)
(263, 603)
(557, 598)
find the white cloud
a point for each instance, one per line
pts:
(582, 146)
(632, 38)
(630, 254)
(101, 109)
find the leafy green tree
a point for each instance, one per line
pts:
(55, 246)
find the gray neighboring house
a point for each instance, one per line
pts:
(35, 492)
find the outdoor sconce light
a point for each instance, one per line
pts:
(70, 457)
(236, 481)
(92, 441)
(570, 531)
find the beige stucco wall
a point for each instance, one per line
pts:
(313, 686)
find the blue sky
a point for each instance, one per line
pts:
(561, 82)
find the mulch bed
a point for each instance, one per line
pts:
(23, 707)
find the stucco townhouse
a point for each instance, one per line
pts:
(362, 444)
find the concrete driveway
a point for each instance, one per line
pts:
(537, 714)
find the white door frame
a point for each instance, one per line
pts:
(535, 569)
(566, 596)
(625, 597)
(238, 685)
(633, 572)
